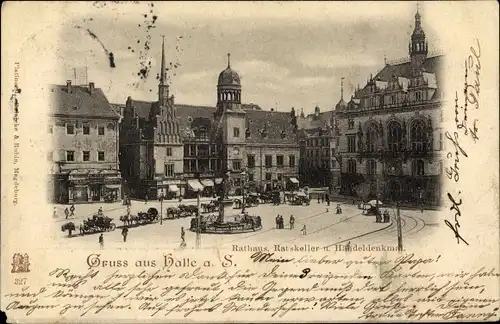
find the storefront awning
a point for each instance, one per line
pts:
(195, 185)
(207, 182)
(294, 180)
(173, 188)
(218, 180)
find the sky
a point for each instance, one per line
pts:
(287, 54)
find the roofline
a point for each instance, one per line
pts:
(85, 116)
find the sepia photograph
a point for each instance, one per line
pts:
(287, 161)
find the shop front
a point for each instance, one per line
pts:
(209, 187)
(57, 188)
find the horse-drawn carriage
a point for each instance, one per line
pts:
(210, 207)
(270, 197)
(182, 211)
(142, 218)
(300, 199)
(252, 200)
(70, 227)
(97, 224)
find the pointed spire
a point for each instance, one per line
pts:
(228, 60)
(163, 72)
(342, 88)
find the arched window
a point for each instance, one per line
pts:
(371, 139)
(417, 167)
(394, 135)
(418, 136)
(351, 166)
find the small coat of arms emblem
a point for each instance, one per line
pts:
(20, 263)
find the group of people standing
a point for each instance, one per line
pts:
(324, 197)
(383, 218)
(68, 212)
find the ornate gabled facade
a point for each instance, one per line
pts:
(166, 146)
(391, 141)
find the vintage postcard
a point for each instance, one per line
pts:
(233, 162)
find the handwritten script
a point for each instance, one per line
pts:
(365, 287)
(471, 97)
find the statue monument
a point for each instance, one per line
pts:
(226, 204)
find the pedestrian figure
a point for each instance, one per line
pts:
(304, 230)
(66, 212)
(182, 235)
(146, 199)
(277, 221)
(281, 222)
(318, 199)
(101, 241)
(327, 198)
(54, 213)
(72, 210)
(386, 216)
(292, 222)
(125, 233)
(99, 212)
(322, 198)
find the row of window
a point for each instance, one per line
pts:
(419, 139)
(70, 129)
(201, 165)
(417, 167)
(268, 161)
(318, 142)
(86, 156)
(321, 163)
(197, 150)
(375, 101)
(324, 152)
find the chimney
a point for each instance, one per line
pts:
(68, 85)
(91, 87)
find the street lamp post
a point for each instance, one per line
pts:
(243, 178)
(161, 209)
(400, 234)
(198, 222)
(398, 221)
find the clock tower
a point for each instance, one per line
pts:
(230, 121)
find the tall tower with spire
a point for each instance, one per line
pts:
(341, 104)
(418, 45)
(163, 91)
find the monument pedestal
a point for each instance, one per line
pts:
(226, 210)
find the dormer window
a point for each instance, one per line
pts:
(283, 134)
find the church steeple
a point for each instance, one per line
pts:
(342, 88)
(163, 86)
(418, 44)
